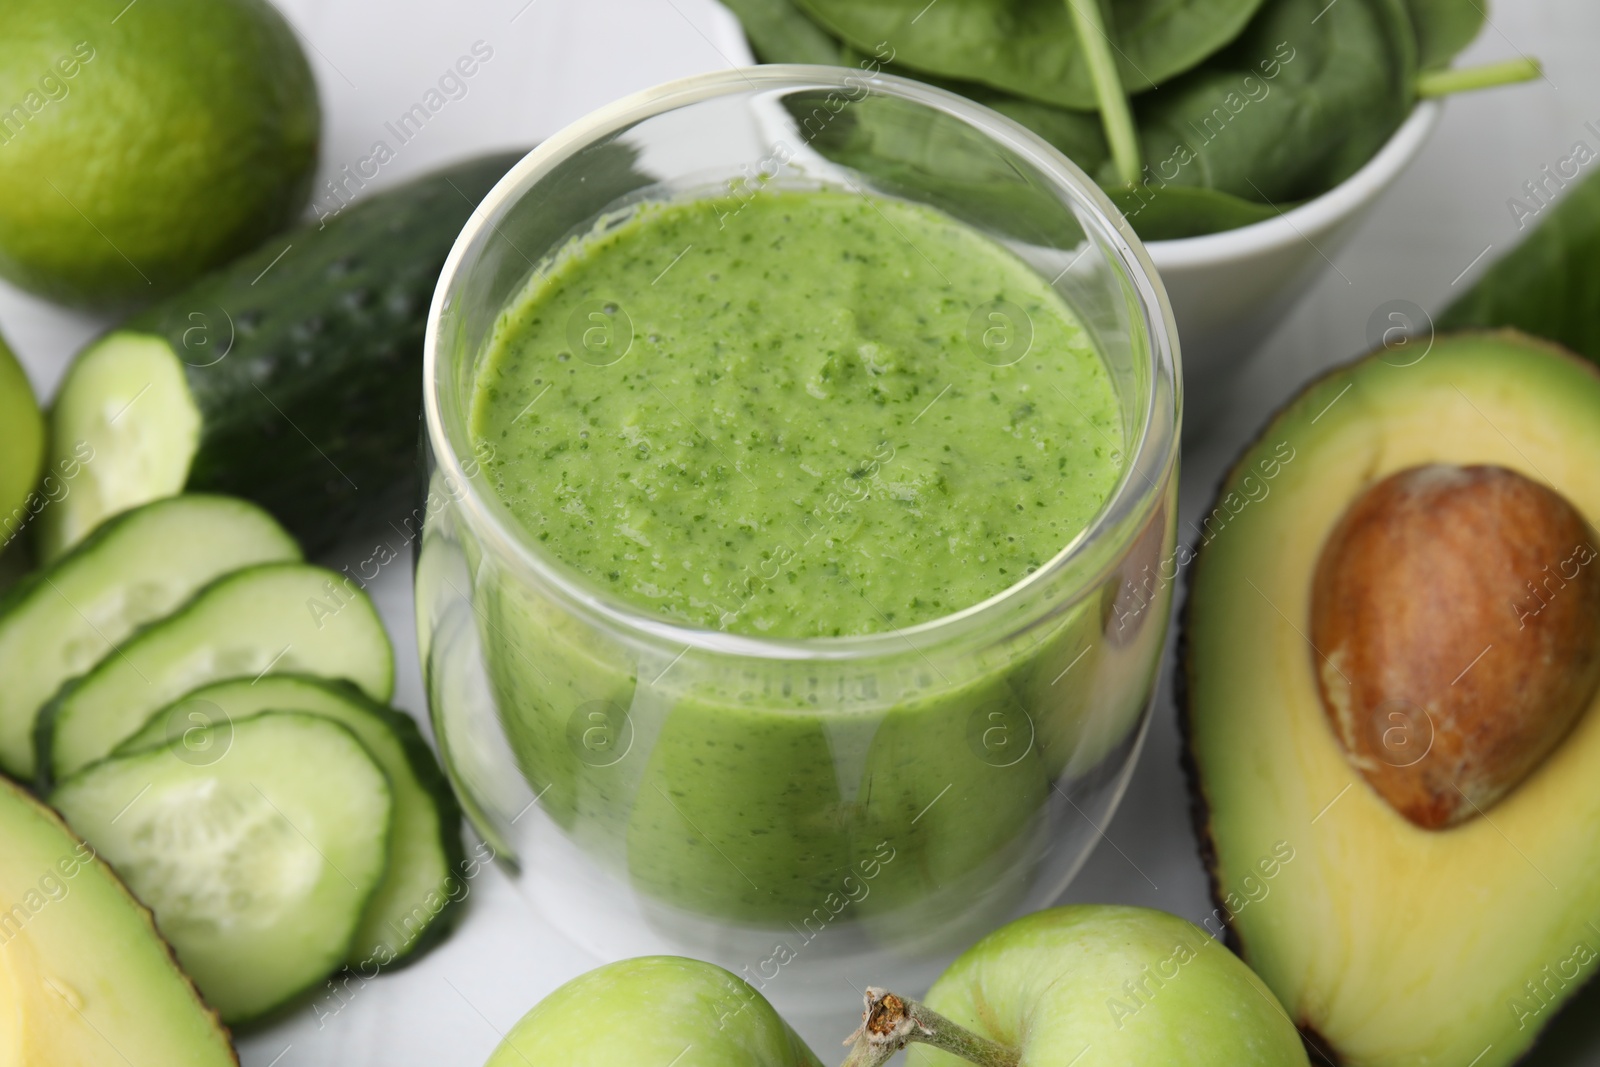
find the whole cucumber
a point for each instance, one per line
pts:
(291, 377)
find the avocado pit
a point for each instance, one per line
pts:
(1455, 615)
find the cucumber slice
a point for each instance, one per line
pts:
(270, 618)
(425, 854)
(124, 398)
(292, 376)
(62, 620)
(257, 862)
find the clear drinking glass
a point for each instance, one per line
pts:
(808, 813)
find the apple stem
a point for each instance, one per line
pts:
(889, 1023)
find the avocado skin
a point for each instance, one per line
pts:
(1318, 1048)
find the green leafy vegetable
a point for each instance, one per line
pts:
(907, 150)
(1078, 135)
(1181, 211)
(779, 32)
(1075, 134)
(1290, 109)
(1444, 81)
(1089, 22)
(1444, 28)
(1270, 110)
(1549, 285)
(1030, 47)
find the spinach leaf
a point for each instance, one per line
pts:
(1549, 285)
(1029, 47)
(1444, 28)
(1181, 211)
(779, 32)
(1174, 212)
(1287, 111)
(1306, 96)
(1075, 134)
(1111, 97)
(905, 150)
(1078, 135)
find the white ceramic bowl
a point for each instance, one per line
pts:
(1229, 290)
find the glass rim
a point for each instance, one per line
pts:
(1138, 488)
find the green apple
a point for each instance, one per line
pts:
(1097, 986)
(21, 444)
(654, 1010)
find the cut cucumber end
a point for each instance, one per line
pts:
(126, 428)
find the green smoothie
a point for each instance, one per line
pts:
(787, 421)
(795, 414)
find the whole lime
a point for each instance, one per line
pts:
(143, 143)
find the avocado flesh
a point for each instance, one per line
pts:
(1392, 944)
(85, 980)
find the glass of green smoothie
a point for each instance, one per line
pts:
(799, 538)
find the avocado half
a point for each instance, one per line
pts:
(85, 980)
(1387, 943)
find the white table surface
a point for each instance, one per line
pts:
(553, 61)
